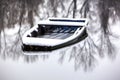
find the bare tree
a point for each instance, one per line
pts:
(75, 7)
(105, 9)
(23, 11)
(72, 9)
(15, 11)
(53, 5)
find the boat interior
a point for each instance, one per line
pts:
(54, 31)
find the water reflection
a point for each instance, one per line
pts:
(81, 57)
(83, 54)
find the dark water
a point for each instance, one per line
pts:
(70, 63)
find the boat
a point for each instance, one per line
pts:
(54, 33)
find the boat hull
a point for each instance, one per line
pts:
(82, 36)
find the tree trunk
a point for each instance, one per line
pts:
(74, 7)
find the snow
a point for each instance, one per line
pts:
(52, 42)
(12, 31)
(41, 41)
(63, 23)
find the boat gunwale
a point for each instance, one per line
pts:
(53, 23)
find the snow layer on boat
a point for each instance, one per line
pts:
(50, 42)
(63, 23)
(82, 20)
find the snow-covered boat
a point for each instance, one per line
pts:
(54, 33)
